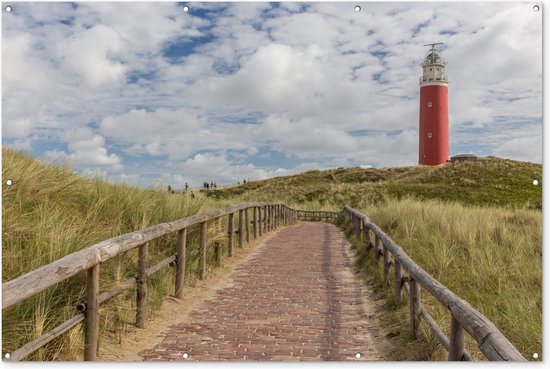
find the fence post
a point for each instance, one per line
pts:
(386, 254)
(260, 223)
(241, 229)
(414, 307)
(204, 229)
(180, 262)
(255, 220)
(247, 225)
(398, 281)
(92, 318)
(376, 249)
(141, 281)
(456, 341)
(367, 237)
(218, 252)
(230, 235)
(358, 229)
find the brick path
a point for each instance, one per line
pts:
(295, 299)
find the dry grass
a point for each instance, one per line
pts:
(48, 213)
(491, 257)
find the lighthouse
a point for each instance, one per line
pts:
(434, 112)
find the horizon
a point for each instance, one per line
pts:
(233, 91)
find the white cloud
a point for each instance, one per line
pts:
(91, 54)
(94, 78)
(522, 148)
(87, 148)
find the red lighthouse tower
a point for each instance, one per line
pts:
(434, 113)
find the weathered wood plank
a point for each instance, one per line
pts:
(414, 308)
(180, 262)
(260, 222)
(456, 344)
(255, 220)
(247, 226)
(387, 264)
(141, 298)
(438, 333)
(92, 314)
(34, 345)
(218, 253)
(230, 234)
(397, 281)
(376, 249)
(241, 229)
(203, 241)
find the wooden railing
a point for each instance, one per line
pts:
(265, 217)
(317, 215)
(409, 276)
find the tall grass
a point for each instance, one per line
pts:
(491, 257)
(50, 212)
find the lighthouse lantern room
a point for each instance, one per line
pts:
(434, 116)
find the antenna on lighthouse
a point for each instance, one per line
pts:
(433, 45)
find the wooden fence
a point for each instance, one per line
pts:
(317, 215)
(410, 277)
(265, 217)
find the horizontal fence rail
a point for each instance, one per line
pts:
(266, 217)
(493, 344)
(327, 216)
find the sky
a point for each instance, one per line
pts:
(148, 94)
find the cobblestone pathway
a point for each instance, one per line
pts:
(295, 299)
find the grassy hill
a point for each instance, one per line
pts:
(493, 181)
(475, 226)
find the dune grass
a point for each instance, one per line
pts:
(490, 257)
(50, 212)
(487, 251)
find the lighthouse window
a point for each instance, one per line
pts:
(429, 134)
(429, 104)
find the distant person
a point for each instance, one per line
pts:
(186, 186)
